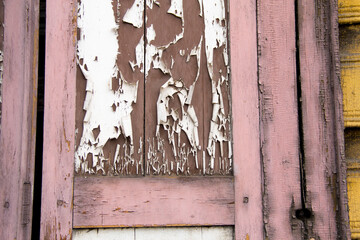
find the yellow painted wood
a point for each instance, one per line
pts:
(353, 182)
(349, 11)
(350, 73)
(352, 152)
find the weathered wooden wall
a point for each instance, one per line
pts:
(17, 140)
(288, 146)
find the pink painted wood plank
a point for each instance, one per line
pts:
(153, 201)
(19, 93)
(245, 100)
(59, 120)
(279, 119)
(325, 169)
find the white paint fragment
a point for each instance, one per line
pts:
(176, 121)
(176, 8)
(150, 3)
(107, 111)
(135, 14)
(216, 37)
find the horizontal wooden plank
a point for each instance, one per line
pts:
(353, 182)
(153, 201)
(158, 233)
(350, 73)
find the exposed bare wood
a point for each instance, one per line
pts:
(160, 201)
(17, 144)
(59, 120)
(279, 119)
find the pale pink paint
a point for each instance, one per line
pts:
(245, 112)
(17, 144)
(319, 119)
(279, 119)
(153, 201)
(59, 120)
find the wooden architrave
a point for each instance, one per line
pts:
(59, 120)
(19, 94)
(324, 156)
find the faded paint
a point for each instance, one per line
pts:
(108, 110)
(1, 79)
(159, 233)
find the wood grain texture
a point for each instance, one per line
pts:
(279, 119)
(59, 120)
(322, 121)
(245, 112)
(153, 201)
(17, 144)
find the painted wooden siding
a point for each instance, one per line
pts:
(178, 233)
(17, 138)
(349, 18)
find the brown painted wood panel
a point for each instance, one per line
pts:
(153, 201)
(19, 93)
(279, 119)
(59, 120)
(324, 164)
(245, 113)
(187, 89)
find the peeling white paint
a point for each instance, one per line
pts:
(176, 8)
(135, 14)
(216, 37)
(106, 110)
(109, 111)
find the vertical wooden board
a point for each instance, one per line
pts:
(245, 112)
(59, 120)
(17, 143)
(110, 88)
(318, 76)
(279, 119)
(181, 66)
(1, 54)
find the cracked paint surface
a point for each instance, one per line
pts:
(187, 98)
